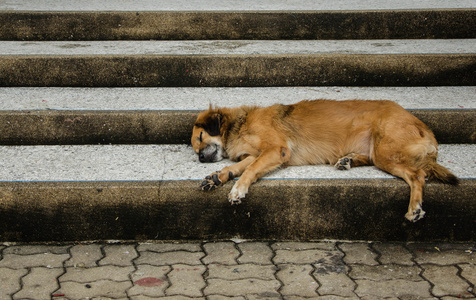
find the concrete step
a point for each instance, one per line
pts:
(239, 63)
(281, 51)
(67, 193)
(229, 5)
(49, 116)
(223, 25)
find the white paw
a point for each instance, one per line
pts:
(236, 194)
(416, 214)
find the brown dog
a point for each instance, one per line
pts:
(342, 133)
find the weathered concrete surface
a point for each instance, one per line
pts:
(230, 5)
(352, 209)
(96, 127)
(169, 127)
(160, 25)
(239, 47)
(172, 162)
(227, 71)
(199, 98)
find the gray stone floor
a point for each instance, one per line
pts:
(237, 270)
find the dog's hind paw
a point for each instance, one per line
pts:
(211, 182)
(415, 215)
(343, 163)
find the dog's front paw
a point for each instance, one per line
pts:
(211, 182)
(236, 194)
(343, 164)
(415, 215)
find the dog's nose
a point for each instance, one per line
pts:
(201, 157)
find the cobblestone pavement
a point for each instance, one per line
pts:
(237, 270)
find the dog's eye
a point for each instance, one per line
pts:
(200, 138)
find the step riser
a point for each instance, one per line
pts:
(405, 24)
(237, 70)
(274, 209)
(169, 127)
(113, 127)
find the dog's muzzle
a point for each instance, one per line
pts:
(210, 153)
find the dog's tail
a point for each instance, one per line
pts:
(440, 173)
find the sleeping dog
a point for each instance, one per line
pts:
(342, 133)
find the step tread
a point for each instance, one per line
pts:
(228, 5)
(240, 47)
(172, 163)
(176, 99)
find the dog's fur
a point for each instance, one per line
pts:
(342, 133)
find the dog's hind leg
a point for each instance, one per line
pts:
(352, 160)
(416, 180)
(268, 160)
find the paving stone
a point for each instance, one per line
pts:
(178, 297)
(169, 258)
(186, 280)
(85, 275)
(335, 284)
(303, 246)
(297, 280)
(219, 297)
(258, 253)
(358, 253)
(168, 247)
(439, 247)
(221, 253)
(444, 257)
(119, 255)
(446, 281)
(266, 288)
(394, 298)
(84, 256)
(36, 249)
(306, 256)
(47, 260)
(141, 297)
(100, 288)
(233, 272)
(329, 297)
(40, 283)
(10, 281)
(385, 272)
(469, 273)
(394, 254)
(403, 289)
(149, 281)
(332, 263)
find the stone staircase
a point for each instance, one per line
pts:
(97, 102)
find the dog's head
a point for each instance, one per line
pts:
(207, 136)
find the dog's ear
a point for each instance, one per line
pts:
(212, 124)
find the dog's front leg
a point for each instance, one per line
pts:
(228, 173)
(267, 161)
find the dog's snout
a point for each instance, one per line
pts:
(209, 154)
(205, 157)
